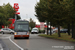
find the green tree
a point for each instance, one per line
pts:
(73, 18)
(31, 23)
(6, 12)
(56, 11)
(40, 10)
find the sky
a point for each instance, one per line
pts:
(26, 8)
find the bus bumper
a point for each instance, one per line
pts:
(21, 36)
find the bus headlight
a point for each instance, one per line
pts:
(27, 33)
(15, 33)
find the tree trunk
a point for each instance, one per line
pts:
(74, 33)
(59, 31)
(72, 28)
(0, 26)
(68, 29)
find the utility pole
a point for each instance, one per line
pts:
(15, 17)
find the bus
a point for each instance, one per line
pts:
(21, 28)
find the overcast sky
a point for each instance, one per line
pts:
(26, 8)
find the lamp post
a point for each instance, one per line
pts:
(47, 26)
(15, 17)
(50, 29)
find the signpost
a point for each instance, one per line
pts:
(41, 25)
(16, 7)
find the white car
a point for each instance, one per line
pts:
(34, 30)
(6, 30)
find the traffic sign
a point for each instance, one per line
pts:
(16, 6)
(41, 25)
(17, 13)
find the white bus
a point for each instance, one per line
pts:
(21, 28)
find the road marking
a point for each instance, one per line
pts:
(15, 44)
(1, 47)
(4, 37)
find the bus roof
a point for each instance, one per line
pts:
(22, 20)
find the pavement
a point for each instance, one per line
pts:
(35, 42)
(3, 45)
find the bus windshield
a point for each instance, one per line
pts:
(22, 27)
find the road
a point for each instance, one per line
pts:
(35, 42)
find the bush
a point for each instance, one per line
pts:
(41, 31)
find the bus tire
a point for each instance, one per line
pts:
(14, 37)
(11, 33)
(27, 37)
(2, 32)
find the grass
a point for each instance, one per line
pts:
(64, 36)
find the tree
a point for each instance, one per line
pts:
(6, 12)
(31, 23)
(40, 10)
(3, 18)
(55, 11)
(47, 10)
(73, 19)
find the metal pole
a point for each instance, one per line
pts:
(15, 17)
(47, 27)
(50, 29)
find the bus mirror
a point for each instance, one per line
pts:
(29, 28)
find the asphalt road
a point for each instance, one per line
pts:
(35, 42)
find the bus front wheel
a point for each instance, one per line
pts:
(14, 37)
(27, 37)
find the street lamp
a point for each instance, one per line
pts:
(47, 26)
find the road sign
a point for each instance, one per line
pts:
(17, 13)
(16, 6)
(41, 25)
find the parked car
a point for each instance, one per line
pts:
(34, 30)
(64, 31)
(55, 30)
(6, 30)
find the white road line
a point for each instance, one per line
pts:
(4, 37)
(15, 44)
(1, 47)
